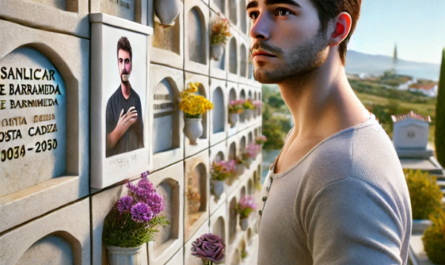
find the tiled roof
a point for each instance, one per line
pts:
(410, 115)
(423, 86)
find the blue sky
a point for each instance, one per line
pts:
(417, 26)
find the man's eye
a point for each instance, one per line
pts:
(282, 12)
(253, 15)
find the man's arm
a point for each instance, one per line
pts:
(124, 122)
(352, 222)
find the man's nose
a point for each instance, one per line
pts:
(261, 29)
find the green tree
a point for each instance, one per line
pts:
(440, 116)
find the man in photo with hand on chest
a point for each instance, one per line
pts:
(124, 123)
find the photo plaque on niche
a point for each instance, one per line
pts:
(119, 103)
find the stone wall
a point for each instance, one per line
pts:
(58, 69)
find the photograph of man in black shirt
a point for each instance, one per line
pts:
(124, 124)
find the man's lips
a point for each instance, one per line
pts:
(263, 53)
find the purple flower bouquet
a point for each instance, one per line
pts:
(246, 206)
(134, 218)
(210, 248)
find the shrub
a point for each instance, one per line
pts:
(434, 238)
(424, 193)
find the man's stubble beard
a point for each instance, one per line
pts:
(298, 64)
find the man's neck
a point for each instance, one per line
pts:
(322, 102)
(126, 89)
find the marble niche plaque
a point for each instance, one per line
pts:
(165, 118)
(120, 133)
(33, 121)
(132, 10)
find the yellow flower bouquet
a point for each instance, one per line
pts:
(193, 105)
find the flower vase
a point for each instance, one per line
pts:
(122, 256)
(218, 187)
(233, 118)
(193, 129)
(217, 51)
(167, 11)
(248, 114)
(244, 223)
(239, 169)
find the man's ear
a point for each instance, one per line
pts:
(342, 27)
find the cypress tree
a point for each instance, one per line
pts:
(439, 136)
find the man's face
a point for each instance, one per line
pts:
(286, 38)
(124, 63)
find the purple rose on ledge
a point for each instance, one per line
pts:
(210, 248)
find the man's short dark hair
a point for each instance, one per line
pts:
(124, 44)
(328, 9)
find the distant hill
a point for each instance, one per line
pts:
(357, 63)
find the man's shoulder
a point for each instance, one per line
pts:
(114, 96)
(134, 94)
(365, 153)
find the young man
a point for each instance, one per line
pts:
(124, 125)
(336, 194)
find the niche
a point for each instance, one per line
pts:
(197, 192)
(45, 156)
(201, 91)
(259, 109)
(233, 56)
(243, 144)
(232, 220)
(243, 94)
(256, 179)
(219, 228)
(243, 115)
(219, 157)
(167, 38)
(67, 5)
(249, 236)
(51, 249)
(243, 191)
(232, 11)
(255, 111)
(250, 138)
(218, 111)
(243, 22)
(232, 151)
(221, 4)
(243, 60)
(195, 36)
(236, 259)
(165, 117)
(232, 94)
(169, 189)
(250, 185)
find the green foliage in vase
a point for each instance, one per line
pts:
(424, 193)
(121, 231)
(434, 238)
(244, 254)
(440, 116)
